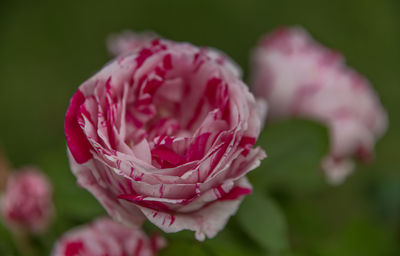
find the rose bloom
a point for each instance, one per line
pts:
(165, 132)
(27, 204)
(105, 237)
(300, 78)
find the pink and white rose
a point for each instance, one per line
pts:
(105, 237)
(165, 132)
(26, 204)
(299, 77)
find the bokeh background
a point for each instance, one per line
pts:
(48, 48)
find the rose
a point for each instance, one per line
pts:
(299, 77)
(26, 204)
(105, 237)
(165, 132)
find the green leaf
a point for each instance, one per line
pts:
(263, 221)
(295, 149)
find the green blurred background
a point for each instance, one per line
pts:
(48, 48)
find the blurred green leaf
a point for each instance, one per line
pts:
(234, 242)
(263, 220)
(74, 205)
(71, 200)
(7, 247)
(295, 149)
(360, 238)
(385, 195)
(177, 247)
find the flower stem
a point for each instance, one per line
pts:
(4, 169)
(23, 243)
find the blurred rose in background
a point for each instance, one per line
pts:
(106, 237)
(26, 204)
(301, 78)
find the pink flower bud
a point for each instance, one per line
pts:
(106, 237)
(27, 204)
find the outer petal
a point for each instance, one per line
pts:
(337, 170)
(89, 177)
(262, 108)
(206, 222)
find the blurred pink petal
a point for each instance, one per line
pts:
(128, 41)
(299, 77)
